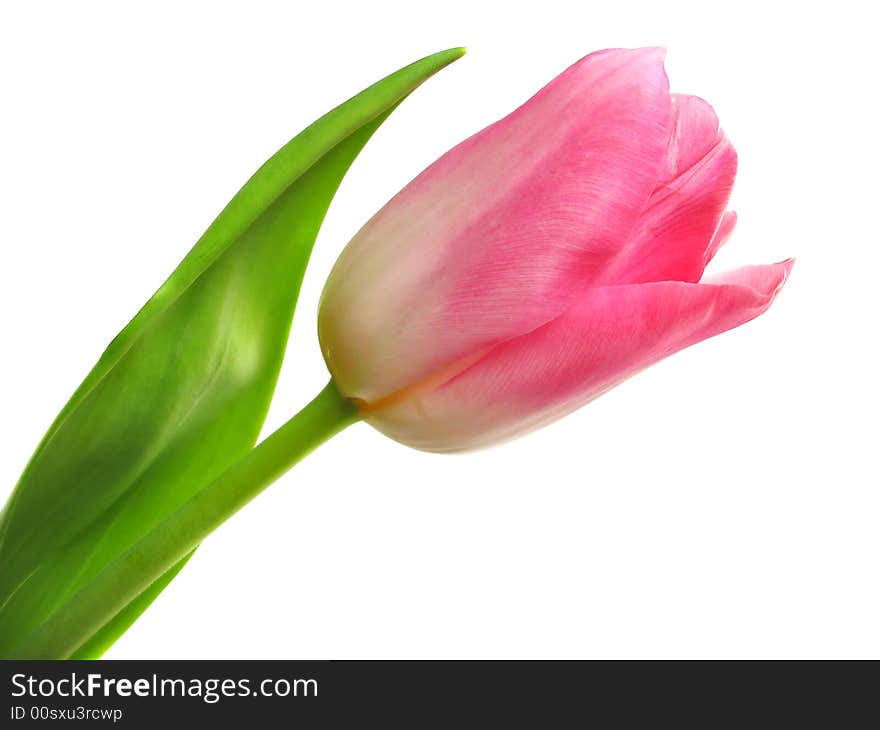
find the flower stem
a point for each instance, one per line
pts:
(122, 580)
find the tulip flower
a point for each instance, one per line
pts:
(530, 269)
(542, 261)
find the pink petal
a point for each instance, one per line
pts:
(725, 229)
(500, 234)
(606, 337)
(684, 211)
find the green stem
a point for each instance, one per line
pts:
(121, 581)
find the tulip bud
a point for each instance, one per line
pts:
(541, 262)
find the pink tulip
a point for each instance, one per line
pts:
(542, 261)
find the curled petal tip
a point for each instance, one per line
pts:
(648, 54)
(769, 280)
(658, 52)
(783, 270)
(765, 281)
(786, 266)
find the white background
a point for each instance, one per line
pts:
(722, 504)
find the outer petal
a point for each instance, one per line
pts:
(608, 336)
(502, 233)
(684, 211)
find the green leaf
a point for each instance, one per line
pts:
(95, 647)
(181, 393)
(149, 559)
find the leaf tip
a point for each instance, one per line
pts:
(450, 55)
